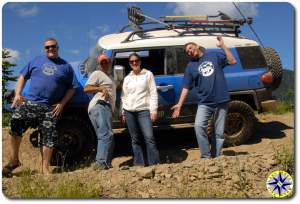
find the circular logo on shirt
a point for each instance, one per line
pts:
(279, 184)
(49, 69)
(206, 68)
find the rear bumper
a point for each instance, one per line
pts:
(268, 106)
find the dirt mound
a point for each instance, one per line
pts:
(240, 173)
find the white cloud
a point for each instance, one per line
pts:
(92, 34)
(103, 28)
(14, 55)
(98, 31)
(75, 52)
(212, 8)
(24, 9)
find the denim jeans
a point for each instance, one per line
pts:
(204, 112)
(139, 124)
(101, 118)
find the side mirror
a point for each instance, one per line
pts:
(119, 72)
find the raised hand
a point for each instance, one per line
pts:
(220, 42)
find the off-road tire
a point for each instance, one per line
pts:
(239, 125)
(77, 142)
(274, 65)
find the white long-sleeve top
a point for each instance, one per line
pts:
(139, 92)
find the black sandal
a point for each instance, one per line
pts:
(8, 168)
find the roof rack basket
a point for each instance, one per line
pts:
(185, 24)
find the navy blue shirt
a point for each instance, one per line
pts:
(207, 76)
(49, 79)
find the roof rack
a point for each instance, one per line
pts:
(186, 24)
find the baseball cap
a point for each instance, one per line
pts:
(102, 57)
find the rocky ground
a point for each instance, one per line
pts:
(240, 173)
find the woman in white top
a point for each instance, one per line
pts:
(140, 101)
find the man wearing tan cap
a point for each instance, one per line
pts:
(100, 109)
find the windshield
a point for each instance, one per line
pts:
(89, 65)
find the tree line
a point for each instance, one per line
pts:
(7, 71)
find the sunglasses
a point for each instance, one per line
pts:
(104, 62)
(50, 46)
(133, 61)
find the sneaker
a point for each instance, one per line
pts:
(8, 168)
(100, 166)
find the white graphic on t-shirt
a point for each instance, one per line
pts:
(49, 69)
(206, 68)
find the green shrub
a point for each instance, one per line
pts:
(5, 119)
(286, 159)
(284, 107)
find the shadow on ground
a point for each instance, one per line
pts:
(171, 144)
(270, 130)
(174, 143)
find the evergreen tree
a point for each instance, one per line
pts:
(7, 72)
(290, 95)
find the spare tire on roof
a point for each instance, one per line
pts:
(274, 65)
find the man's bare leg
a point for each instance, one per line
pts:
(46, 157)
(14, 162)
(15, 142)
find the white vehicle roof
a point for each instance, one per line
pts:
(164, 38)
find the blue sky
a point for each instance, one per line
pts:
(77, 26)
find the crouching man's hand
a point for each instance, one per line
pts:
(57, 110)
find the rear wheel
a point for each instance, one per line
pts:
(77, 142)
(239, 124)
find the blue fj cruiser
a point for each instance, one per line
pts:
(160, 44)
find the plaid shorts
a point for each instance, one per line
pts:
(35, 116)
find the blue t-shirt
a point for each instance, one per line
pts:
(49, 79)
(207, 76)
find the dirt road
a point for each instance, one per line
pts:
(241, 172)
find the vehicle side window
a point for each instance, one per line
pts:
(152, 59)
(251, 57)
(177, 60)
(182, 60)
(90, 64)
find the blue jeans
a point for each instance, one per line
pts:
(204, 112)
(139, 124)
(101, 118)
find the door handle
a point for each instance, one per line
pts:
(164, 88)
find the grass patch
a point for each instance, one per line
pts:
(5, 119)
(36, 187)
(286, 159)
(284, 107)
(26, 172)
(29, 187)
(76, 189)
(242, 183)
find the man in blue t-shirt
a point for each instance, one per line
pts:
(205, 73)
(52, 85)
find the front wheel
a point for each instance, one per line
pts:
(77, 141)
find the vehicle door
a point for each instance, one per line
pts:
(167, 65)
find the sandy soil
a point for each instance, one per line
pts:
(241, 171)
